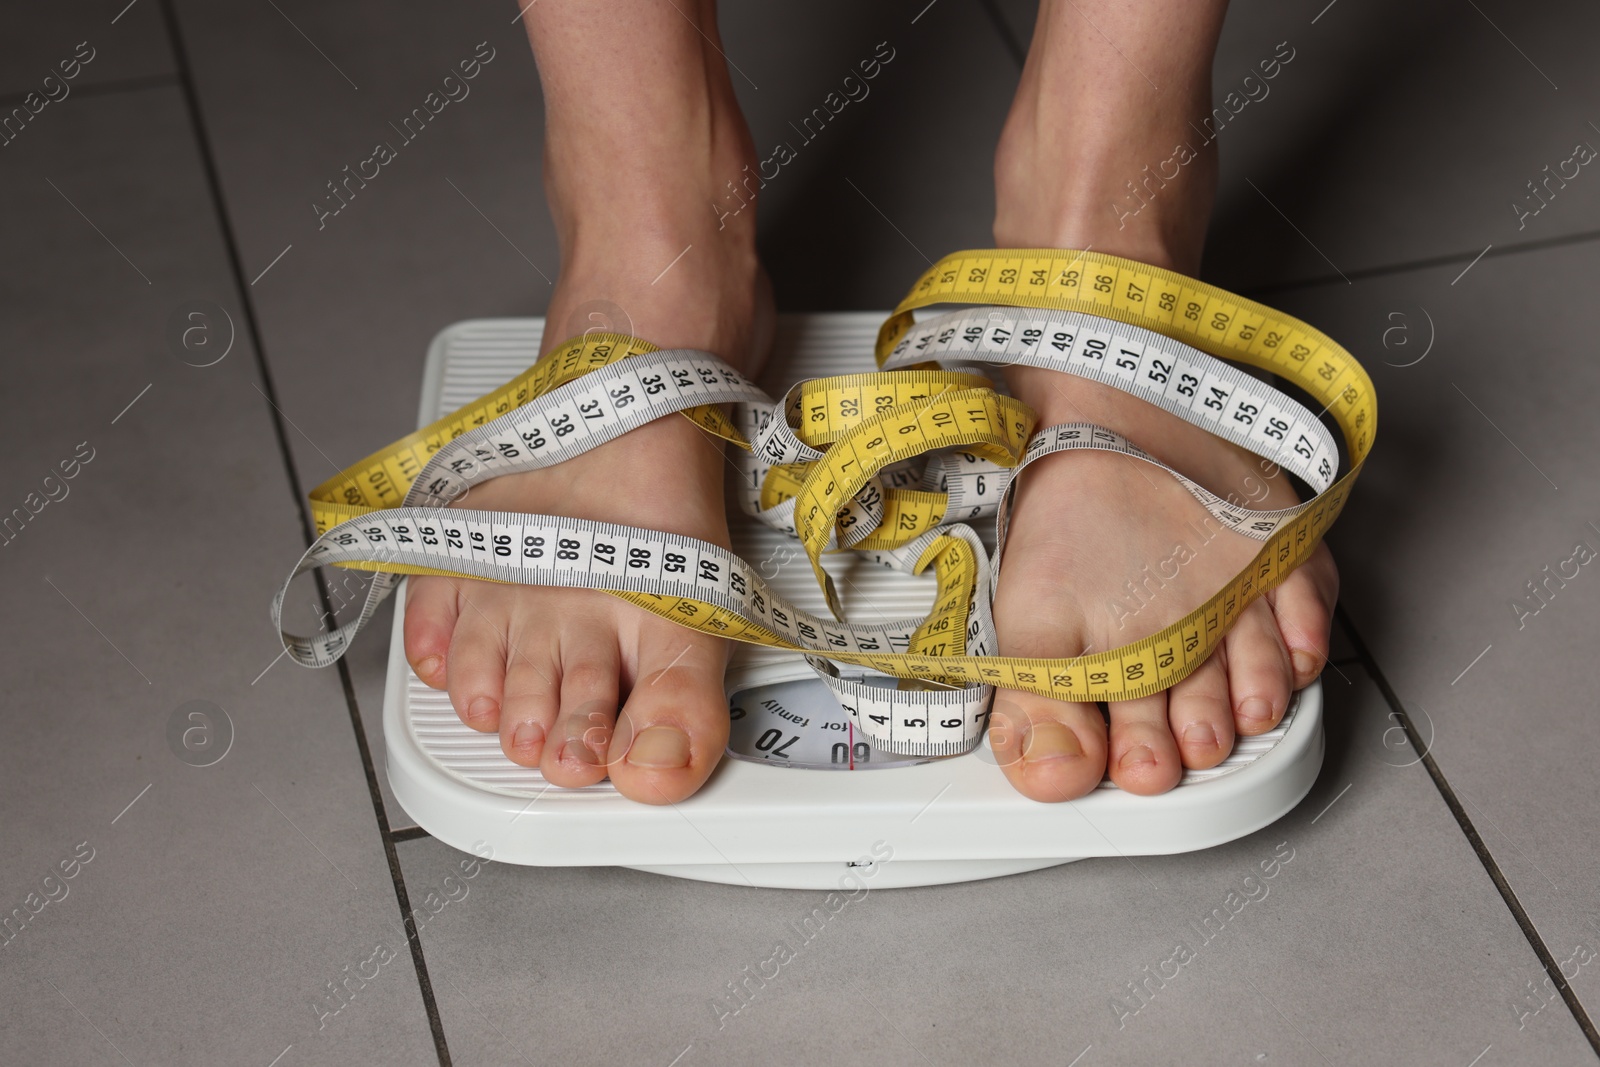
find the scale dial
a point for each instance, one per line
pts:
(799, 724)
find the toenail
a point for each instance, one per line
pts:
(1199, 735)
(429, 667)
(1305, 663)
(480, 709)
(1256, 710)
(527, 735)
(578, 752)
(660, 747)
(1050, 740)
(1136, 755)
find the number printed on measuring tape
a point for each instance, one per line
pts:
(890, 464)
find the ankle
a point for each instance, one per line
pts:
(669, 206)
(1136, 200)
(646, 249)
(695, 295)
(1106, 161)
(670, 183)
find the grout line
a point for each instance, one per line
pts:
(1427, 263)
(236, 267)
(402, 894)
(409, 833)
(1485, 857)
(105, 88)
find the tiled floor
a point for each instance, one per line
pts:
(1428, 897)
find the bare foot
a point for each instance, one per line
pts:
(580, 683)
(1095, 538)
(548, 668)
(1103, 550)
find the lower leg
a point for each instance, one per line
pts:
(1104, 149)
(1109, 93)
(642, 132)
(642, 136)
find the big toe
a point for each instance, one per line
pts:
(674, 727)
(1050, 750)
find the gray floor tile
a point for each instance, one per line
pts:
(40, 38)
(1384, 916)
(1358, 149)
(1381, 913)
(1458, 512)
(205, 907)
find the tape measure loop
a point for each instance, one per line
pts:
(887, 464)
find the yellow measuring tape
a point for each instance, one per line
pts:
(861, 424)
(1213, 321)
(382, 479)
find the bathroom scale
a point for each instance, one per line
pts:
(793, 807)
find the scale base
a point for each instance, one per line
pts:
(758, 824)
(901, 874)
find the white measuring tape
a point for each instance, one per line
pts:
(1180, 380)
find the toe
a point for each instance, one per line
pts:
(1144, 757)
(476, 665)
(528, 711)
(674, 727)
(430, 620)
(575, 750)
(1201, 714)
(1303, 605)
(1259, 670)
(1050, 750)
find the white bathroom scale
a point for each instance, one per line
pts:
(762, 820)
